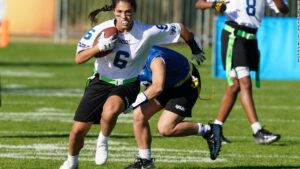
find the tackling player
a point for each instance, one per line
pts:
(240, 55)
(173, 85)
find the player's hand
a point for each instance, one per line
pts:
(105, 44)
(199, 57)
(219, 6)
(140, 99)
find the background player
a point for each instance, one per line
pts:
(240, 55)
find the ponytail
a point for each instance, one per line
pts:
(94, 13)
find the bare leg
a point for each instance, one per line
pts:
(172, 125)
(77, 134)
(228, 100)
(111, 110)
(247, 99)
(141, 125)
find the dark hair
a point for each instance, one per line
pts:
(105, 8)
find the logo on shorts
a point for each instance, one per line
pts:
(179, 107)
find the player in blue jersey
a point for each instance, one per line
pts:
(173, 84)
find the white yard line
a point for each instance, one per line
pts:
(25, 73)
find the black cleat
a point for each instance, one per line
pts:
(225, 140)
(213, 138)
(140, 163)
(263, 136)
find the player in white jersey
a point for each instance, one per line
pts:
(114, 84)
(240, 55)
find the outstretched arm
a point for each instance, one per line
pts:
(282, 7)
(202, 4)
(194, 44)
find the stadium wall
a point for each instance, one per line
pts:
(277, 41)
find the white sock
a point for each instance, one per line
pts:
(203, 128)
(145, 153)
(102, 139)
(255, 127)
(218, 122)
(73, 159)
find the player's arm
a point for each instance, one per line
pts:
(194, 44)
(158, 69)
(85, 55)
(218, 5)
(282, 7)
(202, 4)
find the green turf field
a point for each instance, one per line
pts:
(41, 87)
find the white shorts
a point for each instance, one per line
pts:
(239, 72)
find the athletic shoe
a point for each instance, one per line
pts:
(140, 163)
(263, 136)
(68, 165)
(213, 138)
(225, 140)
(101, 153)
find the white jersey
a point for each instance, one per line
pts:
(129, 55)
(248, 12)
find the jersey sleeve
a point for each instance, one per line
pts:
(86, 41)
(164, 34)
(89, 37)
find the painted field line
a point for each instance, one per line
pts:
(64, 92)
(51, 115)
(32, 133)
(117, 153)
(25, 73)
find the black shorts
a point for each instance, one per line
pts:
(95, 95)
(245, 52)
(181, 99)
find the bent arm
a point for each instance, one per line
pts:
(85, 55)
(282, 7)
(158, 69)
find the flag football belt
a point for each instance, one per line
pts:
(117, 82)
(233, 33)
(188, 76)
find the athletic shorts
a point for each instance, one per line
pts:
(95, 95)
(245, 52)
(180, 100)
(239, 72)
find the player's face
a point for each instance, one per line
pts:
(123, 13)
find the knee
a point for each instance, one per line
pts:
(235, 88)
(138, 117)
(245, 84)
(164, 130)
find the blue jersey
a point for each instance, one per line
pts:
(177, 66)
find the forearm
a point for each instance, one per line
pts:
(153, 90)
(86, 55)
(189, 38)
(202, 4)
(282, 7)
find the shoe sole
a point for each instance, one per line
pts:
(267, 142)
